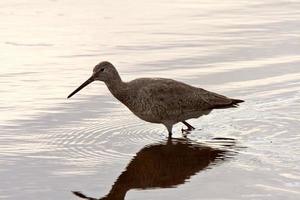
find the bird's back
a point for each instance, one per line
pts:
(158, 99)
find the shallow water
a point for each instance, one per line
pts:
(50, 146)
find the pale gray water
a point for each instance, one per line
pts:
(50, 146)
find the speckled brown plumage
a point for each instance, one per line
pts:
(159, 100)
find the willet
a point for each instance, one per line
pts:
(159, 100)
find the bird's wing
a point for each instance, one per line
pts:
(171, 96)
(175, 95)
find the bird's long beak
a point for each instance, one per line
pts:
(91, 79)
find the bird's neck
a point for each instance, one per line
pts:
(118, 88)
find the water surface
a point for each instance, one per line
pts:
(50, 146)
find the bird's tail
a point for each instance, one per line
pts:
(234, 103)
(237, 101)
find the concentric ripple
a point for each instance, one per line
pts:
(242, 49)
(106, 139)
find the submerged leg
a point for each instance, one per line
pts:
(189, 127)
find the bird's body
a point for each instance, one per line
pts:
(160, 100)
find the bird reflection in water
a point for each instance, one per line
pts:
(168, 164)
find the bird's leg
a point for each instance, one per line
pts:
(169, 127)
(170, 134)
(189, 127)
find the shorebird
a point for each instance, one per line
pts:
(159, 100)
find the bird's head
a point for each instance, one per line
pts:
(104, 71)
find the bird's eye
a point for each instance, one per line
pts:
(102, 69)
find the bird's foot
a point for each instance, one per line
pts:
(189, 127)
(186, 132)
